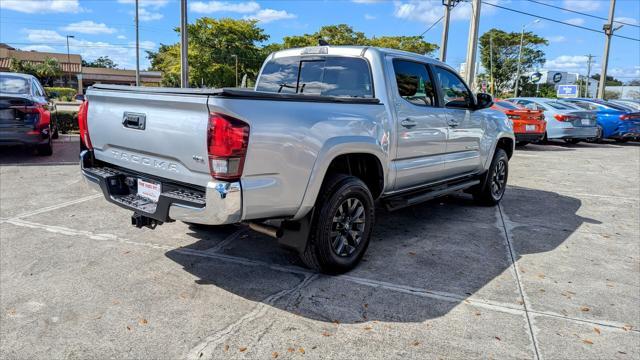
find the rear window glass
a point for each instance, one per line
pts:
(507, 105)
(14, 85)
(330, 76)
(560, 106)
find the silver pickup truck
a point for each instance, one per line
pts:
(304, 156)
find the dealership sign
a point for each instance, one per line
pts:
(567, 91)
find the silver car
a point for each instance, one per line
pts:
(564, 121)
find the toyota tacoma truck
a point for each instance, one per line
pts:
(326, 134)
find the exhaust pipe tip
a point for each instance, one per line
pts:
(272, 231)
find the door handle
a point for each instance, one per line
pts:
(452, 123)
(408, 123)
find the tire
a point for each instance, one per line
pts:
(486, 193)
(341, 226)
(56, 134)
(572, 141)
(45, 149)
(522, 143)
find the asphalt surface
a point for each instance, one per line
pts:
(552, 273)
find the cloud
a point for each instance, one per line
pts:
(557, 39)
(430, 11)
(582, 5)
(626, 20)
(123, 55)
(42, 6)
(575, 21)
(369, 17)
(269, 15)
(146, 3)
(146, 15)
(571, 63)
(89, 27)
(41, 48)
(223, 6)
(121, 37)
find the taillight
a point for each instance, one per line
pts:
(227, 143)
(560, 117)
(629, 116)
(82, 125)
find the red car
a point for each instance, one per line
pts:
(528, 125)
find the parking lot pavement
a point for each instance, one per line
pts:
(553, 272)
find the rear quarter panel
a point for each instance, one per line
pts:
(292, 143)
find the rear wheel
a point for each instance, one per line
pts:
(341, 227)
(491, 190)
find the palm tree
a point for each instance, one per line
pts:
(48, 69)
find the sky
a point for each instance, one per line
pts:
(106, 27)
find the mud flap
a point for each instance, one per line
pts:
(296, 233)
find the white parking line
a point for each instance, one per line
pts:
(443, 296)
(53, 207)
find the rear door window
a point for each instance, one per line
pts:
(454, 92)
(330, 76)
(414, 83)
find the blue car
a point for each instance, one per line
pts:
(614, 121)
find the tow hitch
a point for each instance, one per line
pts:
(140, 221)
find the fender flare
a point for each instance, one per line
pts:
(331, 149)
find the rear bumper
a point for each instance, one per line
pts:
(627, 129)
(217, 204)
(23, 138)
(529, 137)
(573, 133)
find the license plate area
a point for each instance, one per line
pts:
(586, 122)
(149, 190)
(530, 128)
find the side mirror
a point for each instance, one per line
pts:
(483, 101)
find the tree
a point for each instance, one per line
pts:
(504, 56)
(101, 62)
(343, 34)
(213, 43)
(611, 95)
(634, 82)
(44, 71)
(611, 81)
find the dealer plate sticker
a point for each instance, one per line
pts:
(530, 127)
(149, 190)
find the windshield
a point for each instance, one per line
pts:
(13, 85)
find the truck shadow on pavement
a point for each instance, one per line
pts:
(449, 249)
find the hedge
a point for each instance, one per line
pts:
(66, 121)
(61, 93)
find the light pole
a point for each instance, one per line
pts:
(608, 31)
(515, 91)
(137, 49)
(69, 60)
(236, 57)
(184, 62)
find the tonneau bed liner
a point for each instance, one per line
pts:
(239, 93)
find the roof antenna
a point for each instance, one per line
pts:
(322, 42)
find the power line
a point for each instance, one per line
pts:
(558, 21)
(432, 25)
(581, 13)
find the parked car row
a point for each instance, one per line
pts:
(572, 120)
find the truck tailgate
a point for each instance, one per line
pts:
(161, 134)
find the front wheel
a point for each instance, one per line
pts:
(492, 188)
(341, 225)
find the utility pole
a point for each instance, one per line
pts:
(137, 49)
(491, 62)
(590, 59)
(236, 57)
(608, 31)
(184, 45)
(445, 30)
(69, 60)
(515, 90)
(471, 44)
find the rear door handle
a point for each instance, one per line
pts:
(452, 123)
(408, 123)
